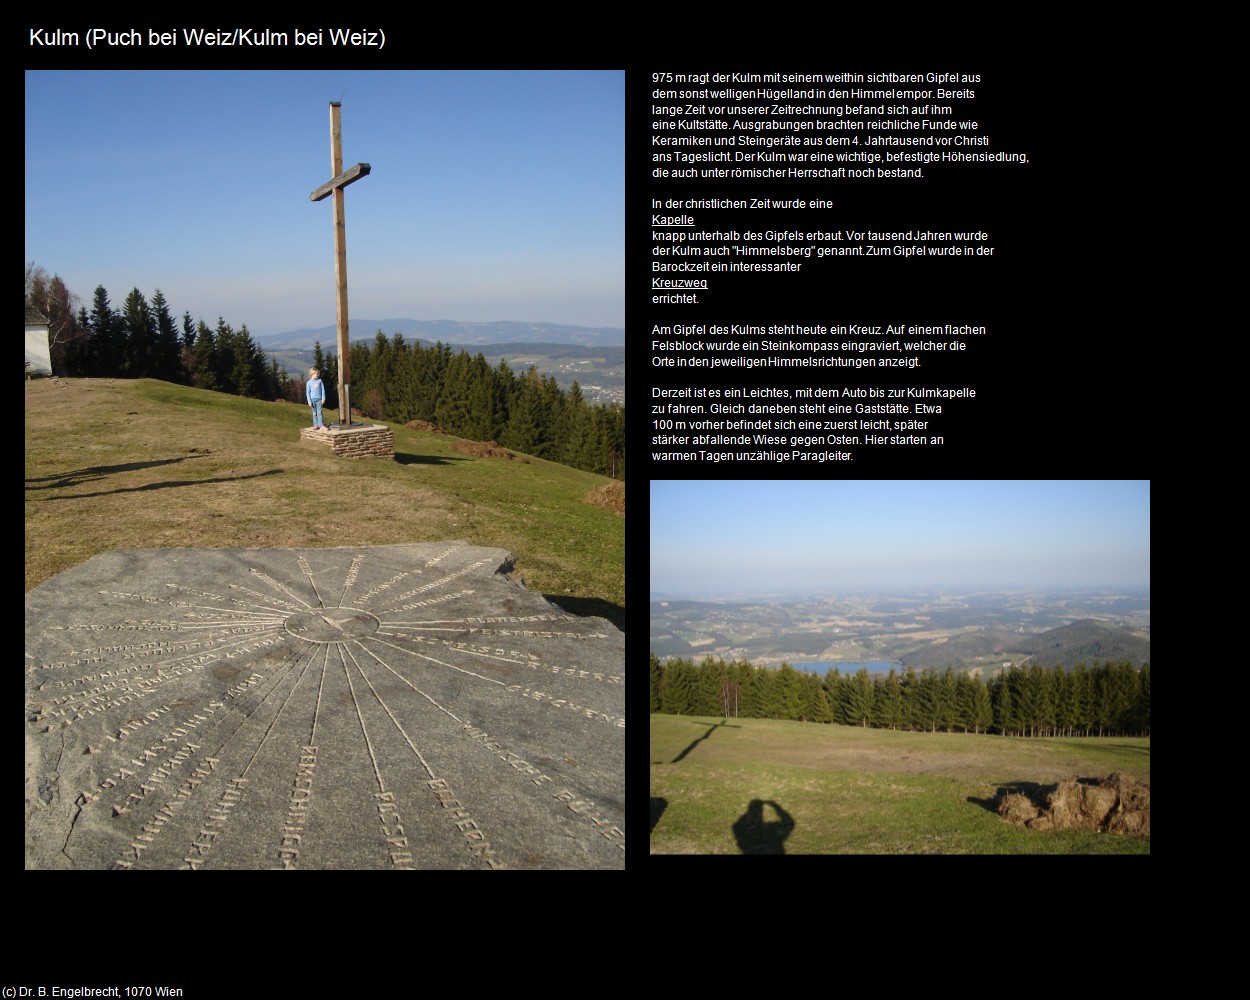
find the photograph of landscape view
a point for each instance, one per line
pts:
(927, 666)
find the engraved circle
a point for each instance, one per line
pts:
(332, 624)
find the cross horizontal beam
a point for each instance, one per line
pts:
(341, 181)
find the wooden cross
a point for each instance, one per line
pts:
(340, 179)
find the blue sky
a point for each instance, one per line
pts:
(493, 196)
(727, 537)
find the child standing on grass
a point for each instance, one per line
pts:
(316, 393)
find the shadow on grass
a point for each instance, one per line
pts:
(1034, 792)
(711, 729)
(657, 810)
(1126, 746)
(757, 835)
(80, 476)
(589, 607)
(164, 486)
(403, 458)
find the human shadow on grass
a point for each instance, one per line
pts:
(80, 476)
(711, 729)
(1032, 790)
(657, 810)
(164, 486)
(757, 835)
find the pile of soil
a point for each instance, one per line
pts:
(424, 425)
(486, 449)
(1115, 804)
(611, 496)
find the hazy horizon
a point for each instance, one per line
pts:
(728, 539)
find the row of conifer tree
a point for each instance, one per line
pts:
(391, 379)
(1103, 699)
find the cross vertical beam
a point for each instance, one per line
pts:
(339, 179)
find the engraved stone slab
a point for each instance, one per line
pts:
(388, 707)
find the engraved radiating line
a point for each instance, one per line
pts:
(435, 560)
(124, 683)
(472, 652)
(217, 729)
(263, 597)
(281, 587)
(266, 598)
(303, 564)
(413, 652)
(357, 562)
(447, 578)
(386, 708)
(360, 718)
(378, 588)
(515, 619)
(277, 714)
(325, 666)
(401, 677)
(268, 614)
(274, 624)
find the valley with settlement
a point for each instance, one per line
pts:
(976, 630)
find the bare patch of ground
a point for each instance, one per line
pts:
(1115, 804)
(611, 495)
(424, 425)
(486, 449)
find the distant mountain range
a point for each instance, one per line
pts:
(449, 332)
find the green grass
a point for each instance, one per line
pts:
(848, 790)
(115, 464)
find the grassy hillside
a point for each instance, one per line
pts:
(845, 790)
(113, 464)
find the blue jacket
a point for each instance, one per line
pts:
(316, 391)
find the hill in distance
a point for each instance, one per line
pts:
(1088, 640)
(448, 332)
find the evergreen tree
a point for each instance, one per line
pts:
(680, 689)
(1141, 708)
(1004, 705)
(887, 702)
(107, 340)
(910, 688)
(982, 714)
(760, 701)
(166, 362)
(821, 711)
(857, 699)
(140, 338)
(927, 700)
(657, 678)
(712, 674)
(788, 693)
(204, 373)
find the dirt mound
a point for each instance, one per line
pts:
(1115, 804)
(424, 425)
(486, 449)
(611, 496)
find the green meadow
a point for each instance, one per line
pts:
(734, 786)
(118, 464)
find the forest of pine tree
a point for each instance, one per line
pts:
(1105, 699)
(391, 379)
